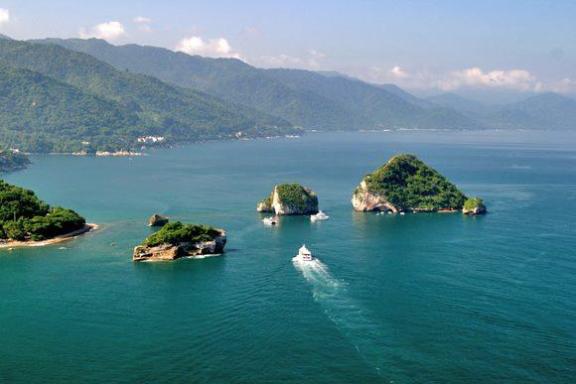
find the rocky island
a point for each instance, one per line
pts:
(474, 206)
(25, 220)
(12, 160)
(176, 240)
(406, 184)
(157, 220)
(290, 199)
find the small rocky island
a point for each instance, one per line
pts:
(25, 220)
(12, 160)
(176, 240)
(290, 199)
(406, 184)
(157, 220)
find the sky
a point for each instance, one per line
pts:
(508, 45)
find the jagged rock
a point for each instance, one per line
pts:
(364, 200)
(167, 251)
(290, 199)
(157, 220)
(474, 206)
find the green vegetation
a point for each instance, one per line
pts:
(25, 217)
(56, 100)
(474, 204)
(296, 196)
(309, 99)
(12, 161)
(410, 184)
(176, 232)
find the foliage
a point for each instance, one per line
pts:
(473, 203)
(410, 184)
(53, 99)
(309, 99)
(296, 196)
(176, 232)
(23, 216)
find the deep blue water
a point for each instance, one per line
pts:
(425, 298)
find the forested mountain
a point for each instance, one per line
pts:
(57, 98)
(547, 111)
(309, 99)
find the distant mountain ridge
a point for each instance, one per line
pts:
(134, 104)
(87, 95)
(309, 99)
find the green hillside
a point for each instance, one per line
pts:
(308, 99)
(117, 105)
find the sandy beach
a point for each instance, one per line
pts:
(89, 227)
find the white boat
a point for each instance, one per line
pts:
(319, 216)
(303, 254)
(271, 221)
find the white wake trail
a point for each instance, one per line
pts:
(349, 316)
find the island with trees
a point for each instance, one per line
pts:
(25, 220)
(12, 160)
(177, 240)
(290, 199)
(407, 184)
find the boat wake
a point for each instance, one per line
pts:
(349, 316)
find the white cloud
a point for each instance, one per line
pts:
(110, 30)
(142, 20)
(517, 79)
(474, 77)
(195, 45)
(4, 16)
(566, 85)
(312, 60)
(398, 72)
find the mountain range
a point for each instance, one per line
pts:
(66, 95)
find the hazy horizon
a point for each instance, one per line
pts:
(499, 47)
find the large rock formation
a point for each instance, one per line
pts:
(405, 183)
(290, 199)
(157, 220)
(176, 240)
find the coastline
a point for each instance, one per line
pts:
(89, 227)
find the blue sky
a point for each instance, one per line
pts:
(522, 45)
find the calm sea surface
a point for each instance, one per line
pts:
(426, 298)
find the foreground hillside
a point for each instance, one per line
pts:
(55, 99)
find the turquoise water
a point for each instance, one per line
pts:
(427, 298)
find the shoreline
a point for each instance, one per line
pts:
(89, 227)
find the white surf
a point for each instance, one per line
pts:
(348, 315)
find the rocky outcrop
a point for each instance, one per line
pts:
(474, 206)
(157, 220)
(364, 200)
(290, 199)
(406, 183)
(169, 252)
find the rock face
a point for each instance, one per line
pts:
(364, 200)
(290, 199)
(176, 240)
(168, 252)
(405, 183)
(157, 220)
(474, 206)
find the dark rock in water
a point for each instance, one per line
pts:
(157, 220)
